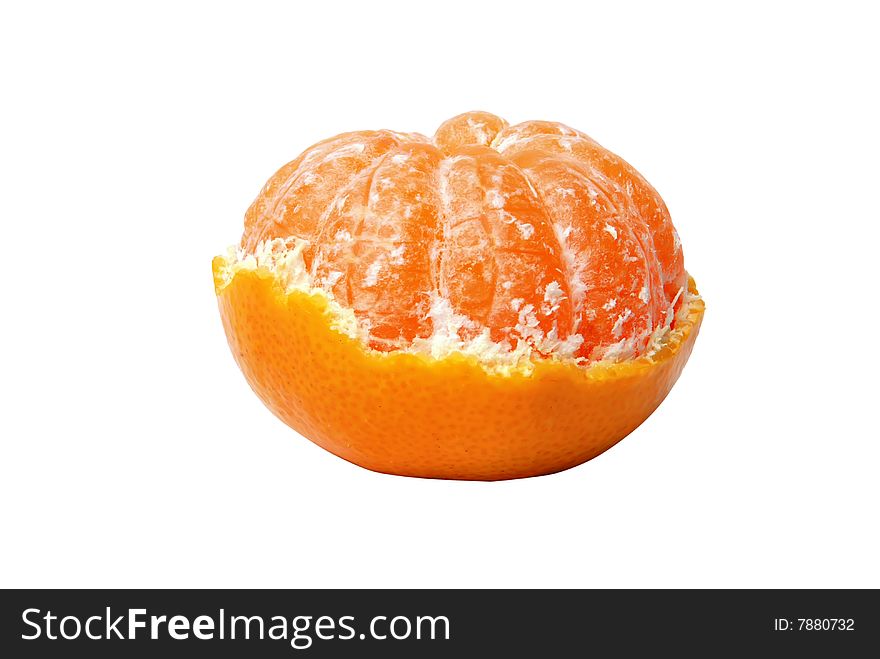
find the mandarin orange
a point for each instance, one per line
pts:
(495, 302)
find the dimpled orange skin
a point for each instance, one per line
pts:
(393, 411)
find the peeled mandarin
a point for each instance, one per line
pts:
(495, 302)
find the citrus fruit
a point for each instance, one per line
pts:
(493, 302)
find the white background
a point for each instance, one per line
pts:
(133, 140)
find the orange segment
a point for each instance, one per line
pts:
(496, 226)
(374, 248)
(468, 129)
